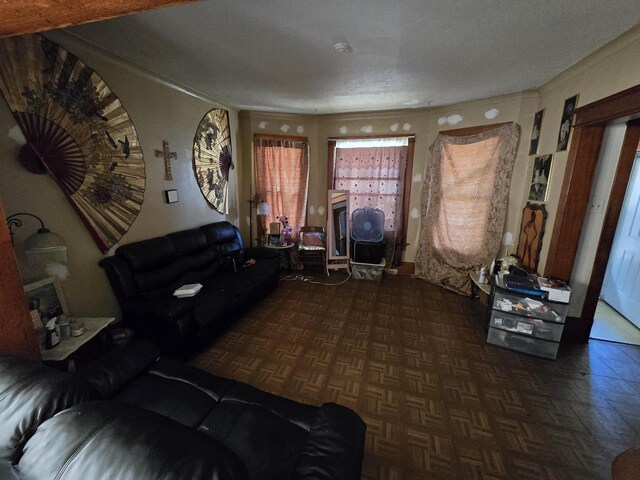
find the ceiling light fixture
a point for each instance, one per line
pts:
(342, 47)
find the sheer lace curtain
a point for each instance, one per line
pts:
(282, 176)
(373, 171)
(464, 204)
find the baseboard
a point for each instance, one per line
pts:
(406, 268)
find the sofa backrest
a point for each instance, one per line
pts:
(158, 266)
(112, 440)
(31, 393)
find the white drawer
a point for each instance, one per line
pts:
(520, 304)
(532, 327)
(523, 343)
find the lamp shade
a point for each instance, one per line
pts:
(45, 247)
(263, 209)
(507, 239)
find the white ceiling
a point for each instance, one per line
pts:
(278, 54)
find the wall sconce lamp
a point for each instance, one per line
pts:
(262, 209)
(44, 246)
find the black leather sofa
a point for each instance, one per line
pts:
(145, 274)
(134, 416)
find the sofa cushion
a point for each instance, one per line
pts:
(266, 431)
(223, 238)
(161, 281)
(211, 302)
(177, 391)
(109, 374)
(115, 440)
(148, 254)
(190, 241)
(30, 393)
(267, 444)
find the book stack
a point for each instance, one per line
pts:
(521, 284)
(557, 290)
(189, 290)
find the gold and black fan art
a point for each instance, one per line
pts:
(77, 131)
(212, 158)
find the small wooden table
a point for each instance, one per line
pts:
(475, 285)
(93, 326)
(287, 262)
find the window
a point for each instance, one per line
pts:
(282, 177)
(374, 170)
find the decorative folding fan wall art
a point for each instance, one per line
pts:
(212, 158)
(77, 131)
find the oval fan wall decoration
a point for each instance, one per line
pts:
(79, 131)
(212, 158)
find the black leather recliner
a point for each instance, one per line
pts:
(145, 274)
(132, 415)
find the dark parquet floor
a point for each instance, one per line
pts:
(438, 401)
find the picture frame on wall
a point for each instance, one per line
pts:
(535, 132)
(534, 218)
(171, 196)
(49, 296)
(538, 190)
(565, 123)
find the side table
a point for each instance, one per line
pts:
(285, 251)
(66, 348)
(475, 285)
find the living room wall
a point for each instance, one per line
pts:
(423, 123)
(592, 78)
(159, 111)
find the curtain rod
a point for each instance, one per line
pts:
(282, 138)
(366, 137)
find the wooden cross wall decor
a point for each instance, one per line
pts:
(168, 156)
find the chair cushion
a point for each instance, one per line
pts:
(312, 239)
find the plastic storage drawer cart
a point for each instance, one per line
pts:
(528, 324)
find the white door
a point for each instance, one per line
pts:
(621, 287)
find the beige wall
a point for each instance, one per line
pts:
(158, 112)
(421, 122)
(614, 67)
(161, 111)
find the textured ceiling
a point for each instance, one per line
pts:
(278, 54)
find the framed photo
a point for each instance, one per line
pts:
(538, 190)
(48, 293)
(535, 132)
(534, 218)
(565, 123)
(171, 196)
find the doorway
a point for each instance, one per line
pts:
(617, 316)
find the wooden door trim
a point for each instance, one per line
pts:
(584, 150)
(618, 191)
(573, 202)
(590, 121)
(614, 107)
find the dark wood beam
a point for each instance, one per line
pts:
(18, 17)
(18, 335)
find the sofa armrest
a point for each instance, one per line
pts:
(111, 372)
(335, 446)
(260, 252)
(161, 309)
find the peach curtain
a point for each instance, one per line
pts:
(282, 177)
(464, 205)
